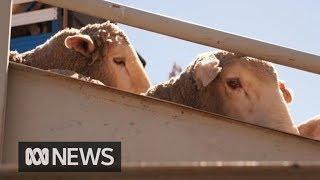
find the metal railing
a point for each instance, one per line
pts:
(163, 25)
(192, 32)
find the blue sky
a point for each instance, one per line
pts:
(290, 23)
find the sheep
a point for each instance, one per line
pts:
(99, 51)
(311, 128)
(242, 88)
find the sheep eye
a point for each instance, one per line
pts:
(119, 61)
(234, 83)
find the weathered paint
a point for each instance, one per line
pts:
(43, 106)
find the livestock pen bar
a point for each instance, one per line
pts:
(150, 130)
(192, 32)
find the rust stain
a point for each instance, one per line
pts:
(115, 6)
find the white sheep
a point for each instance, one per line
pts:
(99, 51)
(243, 88)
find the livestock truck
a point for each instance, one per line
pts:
(159, 140)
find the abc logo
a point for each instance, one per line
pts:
(30, 157)
(69, 156)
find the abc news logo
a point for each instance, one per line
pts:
(69, 156)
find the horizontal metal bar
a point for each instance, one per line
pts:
(192, 32)
(190, 170)
(197, 165)
(37, 16)
(21, 1)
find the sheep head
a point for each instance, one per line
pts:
(112, 58)
(243, 88)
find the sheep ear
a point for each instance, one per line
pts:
(80, 43)
(286, 92)
(206, 70)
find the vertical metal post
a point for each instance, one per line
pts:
(65, 18)
(5, 19)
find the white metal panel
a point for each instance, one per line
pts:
(46, 107)
(37, 16)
